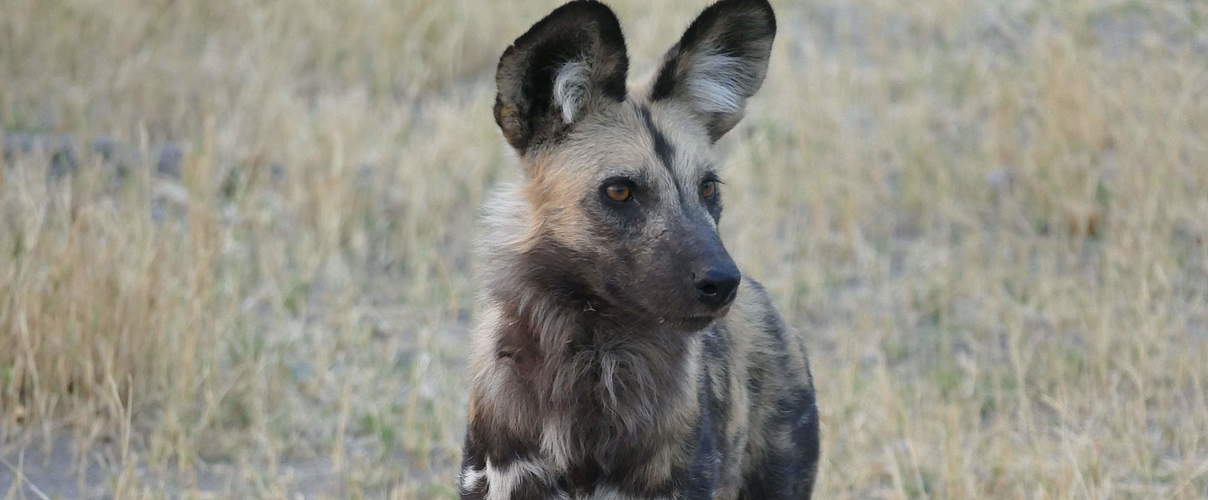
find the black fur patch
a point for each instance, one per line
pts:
(787, 470)
(662, 148)
(708, 454)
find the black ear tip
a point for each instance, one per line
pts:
(586, 7)
(563, 25)
(762, 5)
(582, 10)
(765, 4)
(571, 17)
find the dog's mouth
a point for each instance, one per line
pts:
(690, 323)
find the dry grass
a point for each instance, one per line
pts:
(989, 221)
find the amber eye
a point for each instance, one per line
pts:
(619, 192)
(709, 189)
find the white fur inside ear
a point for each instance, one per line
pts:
(570, 86)
(718, 83)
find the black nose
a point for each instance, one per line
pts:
(718, 287)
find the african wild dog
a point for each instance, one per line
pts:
(620, 353)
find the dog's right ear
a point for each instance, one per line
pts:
(719, 63)
(564, 67)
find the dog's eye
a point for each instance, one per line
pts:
(710, 189)
(618, 192)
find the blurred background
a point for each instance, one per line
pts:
(236, 240)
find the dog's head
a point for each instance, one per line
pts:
(623, 185)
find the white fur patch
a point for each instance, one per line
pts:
(502, 480)
(716, 83)
(570, 87)
(470, 478)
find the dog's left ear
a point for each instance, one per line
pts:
(719, 62)
(566, 66)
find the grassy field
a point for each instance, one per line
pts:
(989, 219)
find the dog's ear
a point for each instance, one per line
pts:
(563, 68)
(721, 61)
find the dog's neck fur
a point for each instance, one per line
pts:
(596, 385)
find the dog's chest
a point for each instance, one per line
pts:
(700, 460)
